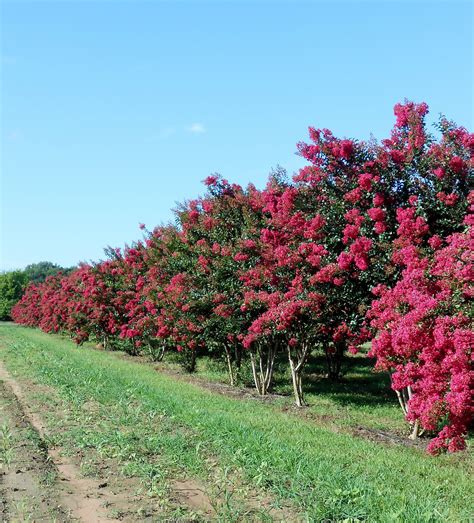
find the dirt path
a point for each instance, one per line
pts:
(70, 496)
(88, 485)
(26, 473)
(74, 498)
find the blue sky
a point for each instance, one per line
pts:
(114, 111)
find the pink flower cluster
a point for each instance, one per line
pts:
(425, 337)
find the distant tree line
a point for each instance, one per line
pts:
(13, 283)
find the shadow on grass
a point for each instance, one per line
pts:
(359, 386)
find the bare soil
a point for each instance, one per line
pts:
(390, 438)
(75, 497)
(41, 483)
(26, 471)
(108, 496)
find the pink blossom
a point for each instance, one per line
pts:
(211, 180)
(365, 181)
(344, 260)
(456, 163)
(376, 214)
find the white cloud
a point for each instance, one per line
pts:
(15, 135)
(196, 128)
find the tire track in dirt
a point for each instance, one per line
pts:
(85, 498)
(26, 492)
(82, 498)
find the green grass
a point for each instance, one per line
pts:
(6, 446)
(155, 423)
(361, 398)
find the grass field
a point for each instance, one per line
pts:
(341, 459)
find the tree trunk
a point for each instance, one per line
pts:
(415, 431)
(404, 396)
(262, 367)
(297, 362)
(229, 365)
(402, 399)
(161, 354)
(156, 353)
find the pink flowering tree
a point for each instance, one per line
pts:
(425, 338)
(278, 288)
(170, 292)
(221, 237)
(366, 193)
(209, 254)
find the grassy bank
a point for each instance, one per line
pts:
(361, 398)
(158, 425)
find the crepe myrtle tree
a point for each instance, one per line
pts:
(211, 231)
(103, 288)
(425, 337)
(441, 209)
(287, 311)
(425, 223)
(361, 190)
(190, 291)
(147, 316)
(264, 284)
(214, 229)
(180, 314)
(137, 322)
(173, 321)
(224, 228)
(28, 310)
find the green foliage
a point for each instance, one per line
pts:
(12, 284)
(38, 272)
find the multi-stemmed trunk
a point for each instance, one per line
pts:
(297, 357)
(404, 395)
(262, 359)
(156, 352)
(161, 353)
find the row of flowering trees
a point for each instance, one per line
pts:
(368, 242)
